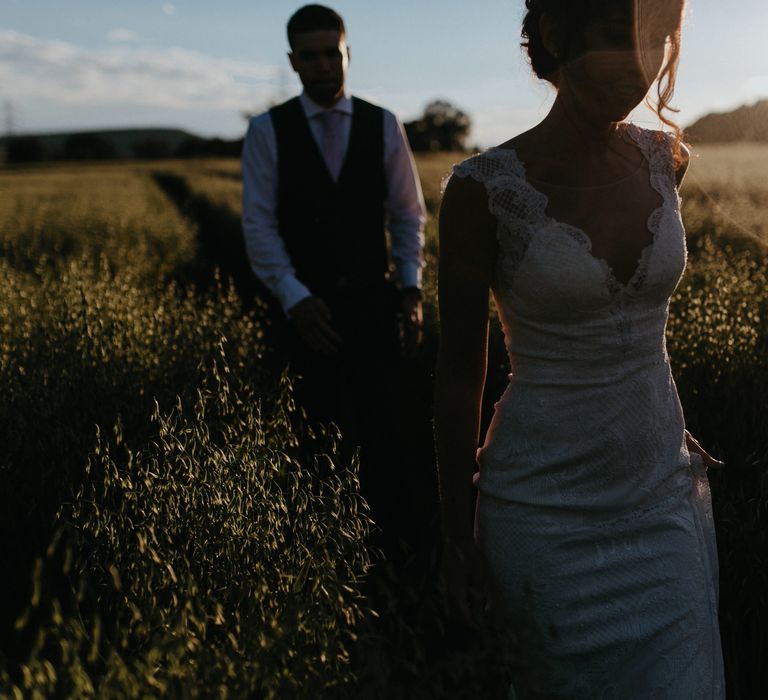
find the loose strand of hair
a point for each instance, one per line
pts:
(665, 91)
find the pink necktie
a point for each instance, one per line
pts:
(332, 146)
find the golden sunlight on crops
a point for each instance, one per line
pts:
(176, 543)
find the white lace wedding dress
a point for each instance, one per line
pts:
(594, 519)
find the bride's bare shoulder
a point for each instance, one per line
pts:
(522, 145)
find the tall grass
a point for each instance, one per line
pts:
(169, 537)
(206, 563)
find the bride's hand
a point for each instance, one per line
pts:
(462, 573)
(708, 459)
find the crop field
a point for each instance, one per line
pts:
(162, 534)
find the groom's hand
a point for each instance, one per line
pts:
(413, 321)
(313, 324)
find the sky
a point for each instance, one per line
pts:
(201, 65)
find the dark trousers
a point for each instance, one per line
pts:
(364, 391)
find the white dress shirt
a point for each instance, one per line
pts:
(266, 249)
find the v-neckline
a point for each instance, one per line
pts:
(614, 284)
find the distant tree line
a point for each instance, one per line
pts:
(95, 146)
(442, 127)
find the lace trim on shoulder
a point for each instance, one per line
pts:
(487, 165)
(656, 146)
(510, 197)
(515, 204)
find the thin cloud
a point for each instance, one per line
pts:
(172, 78)
(122, 35)
(169, 8)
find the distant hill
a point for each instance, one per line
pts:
(110, 144)
(747, 123)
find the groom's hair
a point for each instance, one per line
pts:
(312, 18)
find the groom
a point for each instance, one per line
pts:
(325, 175)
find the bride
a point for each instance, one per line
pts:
(593, 529)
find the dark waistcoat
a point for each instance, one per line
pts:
(333, 231)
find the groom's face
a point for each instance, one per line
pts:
(321, 59)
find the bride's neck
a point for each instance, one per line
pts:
(569, 130)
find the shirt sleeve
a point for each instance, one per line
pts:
(264, 246)
(405, 204)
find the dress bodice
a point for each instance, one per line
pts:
(548, 282)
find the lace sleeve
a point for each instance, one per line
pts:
(512, 202)
(657, 148)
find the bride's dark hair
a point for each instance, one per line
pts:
(571, 17)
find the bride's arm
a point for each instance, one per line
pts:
(467, 259)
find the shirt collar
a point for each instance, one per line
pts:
(312, 109)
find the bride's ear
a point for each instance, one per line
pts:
(550, 36)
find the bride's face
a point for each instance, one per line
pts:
(616, 66)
